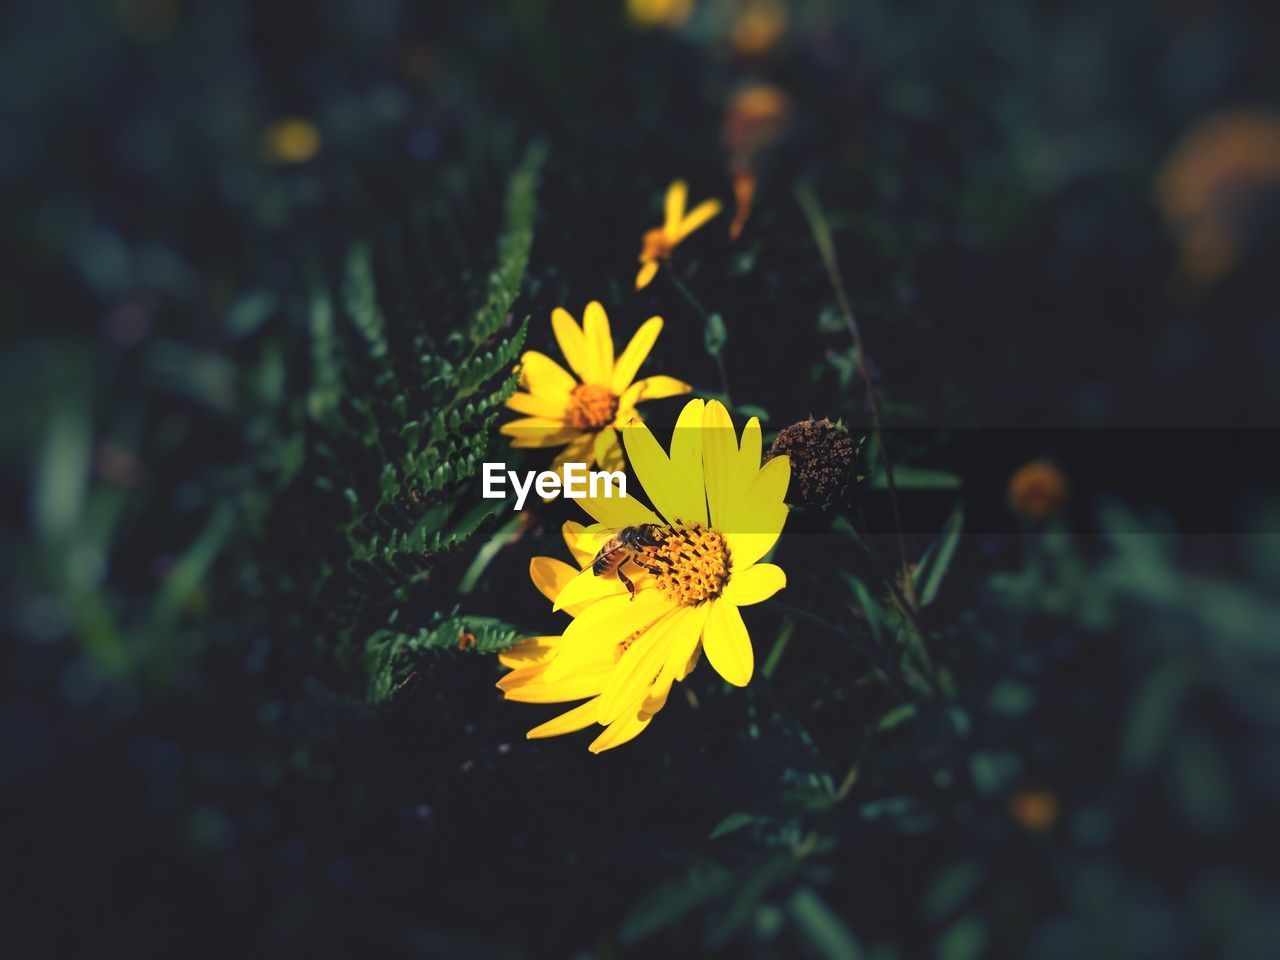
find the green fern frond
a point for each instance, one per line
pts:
(390, 653)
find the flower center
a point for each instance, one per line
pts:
(591, 407)
(692, 564)
(655, 245)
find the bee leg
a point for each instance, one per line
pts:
(631, 587)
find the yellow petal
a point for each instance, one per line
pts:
(583, 715)
(674, 483)
(618, 512)
(650, 388)
(719, 460)
(624, 371)
(537, 432)
(539, 440)
(576, 686)
(770, 485)
(755, 584)
(540, 374)
(608, 451)
(595, 326)
(636, 671)
(529, 652)
(727, 644)
(760, 498)
(592, 539)
(571, 530)
(598, 630)
(623, 729)
(647, 272)
(696, 218)
(692, 662)
(652, 468)
(684, 646)
(677, 196)
(748, 456)
(535, 405)
(573, 344)
(550, 576)
(586, 588)
(657, 698)
(580, 450)
(755, 536)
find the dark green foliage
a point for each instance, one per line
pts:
(251, 601)
(389, 651)
(398, 439)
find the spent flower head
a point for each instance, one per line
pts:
(821, 455)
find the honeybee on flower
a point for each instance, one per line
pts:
(716, 513)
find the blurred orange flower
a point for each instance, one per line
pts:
(1209, 187)
(1037, 490)
(757, 26)
(1035, 810)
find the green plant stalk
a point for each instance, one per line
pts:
(821, 230)
(718, 355)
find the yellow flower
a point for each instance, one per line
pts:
(292, 140)
(583, 413)
(670, 14)
(717, 512)
(660, 241)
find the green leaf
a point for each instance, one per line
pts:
(669, 903)
(914, 478)
(820, 926)
(360, 297)
(734, 822)
(513, 247)
(389, 651)
(897, 716)
(715, 334)
(933, 565)
(871, 608)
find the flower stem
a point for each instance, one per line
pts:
(717, 355)
(879, 662)
(827, 250)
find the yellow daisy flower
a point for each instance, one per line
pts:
(660, 241)
(583, 414)
(716, 512)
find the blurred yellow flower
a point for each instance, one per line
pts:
(716, 512)
(671, 14)
(1210, 187)
(660, 241)
(582, 414)
(291, 140)
(757, 26)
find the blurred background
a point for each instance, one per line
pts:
(1058, 224)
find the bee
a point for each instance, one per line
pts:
(624, 547)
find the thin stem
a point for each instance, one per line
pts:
(895, 681)
(827, 250)
(716, 355)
